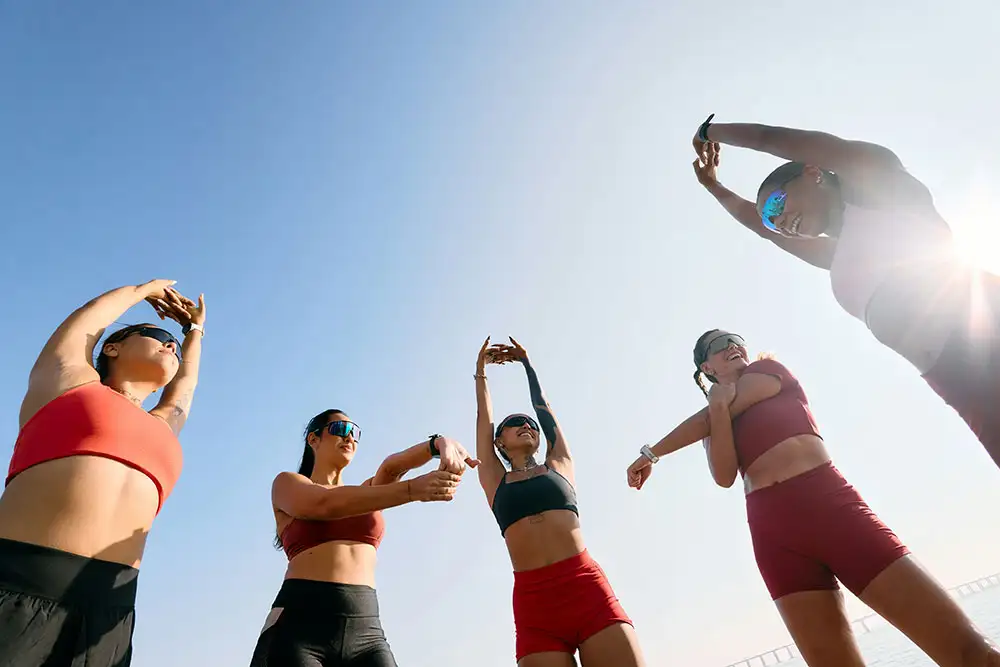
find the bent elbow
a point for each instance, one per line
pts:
(725, 478)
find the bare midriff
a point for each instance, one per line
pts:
(336, 562)
(543, 539)
(789, 458)
(91, 506)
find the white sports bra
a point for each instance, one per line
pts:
(875, 243)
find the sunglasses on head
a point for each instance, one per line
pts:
(343, 429)
(155, 333)
(517, 421)
(772, 208)
(723, 341)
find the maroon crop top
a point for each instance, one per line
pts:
(302, 534)
(765, 424)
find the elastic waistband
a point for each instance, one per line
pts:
(327, 597)
(65, 577)
(822, 478)
(551, 573)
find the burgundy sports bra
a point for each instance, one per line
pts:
(765, 424)
(302, 534)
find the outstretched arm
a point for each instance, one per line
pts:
(453, 456)
(818, 252)
(66, 361)
(820, 149)
(175, 403)
(491, 469)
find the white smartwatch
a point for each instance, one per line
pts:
(648, 453)
(191, 326)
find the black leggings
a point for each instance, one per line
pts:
(59, 609)
(322, 624)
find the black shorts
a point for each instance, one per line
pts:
(322, 624)
(58, 609)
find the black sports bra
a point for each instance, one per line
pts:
(541, 493)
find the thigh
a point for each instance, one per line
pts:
(615, 646)
(547, 659)
(910, 599)
(285, 643)
(364, 644)
(35, 632)
(818, 624)
(786, 571)
(107, 635)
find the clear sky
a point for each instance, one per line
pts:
(364, 193)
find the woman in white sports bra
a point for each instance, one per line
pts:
(850, 207)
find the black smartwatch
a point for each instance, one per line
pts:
(703, 128)
(434, 450)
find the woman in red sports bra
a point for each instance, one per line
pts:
(326, 613)
(563, 602)
(89, 473)
(809, 526)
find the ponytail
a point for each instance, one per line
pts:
(308, 462)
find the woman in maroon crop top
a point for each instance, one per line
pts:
(89, 472)
(563, 602)
(809, 527)
(326, 613)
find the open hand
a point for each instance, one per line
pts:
(175, 306)
(507, 353)
(707, 163)
(434, 486)
(721, 395)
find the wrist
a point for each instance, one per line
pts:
(647, 452)
(191, 327)
(432, 446)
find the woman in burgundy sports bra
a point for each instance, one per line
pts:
(326, 613)
(809, 526)
(90, 472)
(850, 207)
(562, 599)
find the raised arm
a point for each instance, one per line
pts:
(301, 498)
(556, 448)
(66, 360)
(818, 251)
(175, 403)
(491, 469)
(820, 149)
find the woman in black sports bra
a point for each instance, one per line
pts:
(562, 599)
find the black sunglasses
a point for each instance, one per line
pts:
(155, 333)
(517, 421)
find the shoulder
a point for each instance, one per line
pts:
(769, 366)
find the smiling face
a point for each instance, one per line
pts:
(798, 201)
(518, 436)
(725, 355)
(336, 441)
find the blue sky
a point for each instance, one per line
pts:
(364, 193)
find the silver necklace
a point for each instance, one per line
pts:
(527, 466)
(130, 397)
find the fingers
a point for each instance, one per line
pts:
(486, 345)
(472, 463)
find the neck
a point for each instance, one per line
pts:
(327, 475)
(523, 462)
(137, 392)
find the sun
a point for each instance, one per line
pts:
(976, 225)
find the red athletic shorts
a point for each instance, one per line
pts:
(558, 607)
(967, 374)
(815, 528)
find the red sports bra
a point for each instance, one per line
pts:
(765, 424)
(95, 420)
(302, 534)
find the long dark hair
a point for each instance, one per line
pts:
(308, 461)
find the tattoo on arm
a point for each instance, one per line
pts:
(179, 409)
(542, 409)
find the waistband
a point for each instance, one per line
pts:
(824, 477)
(57, 575)
(327, 597)
(551, 573)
